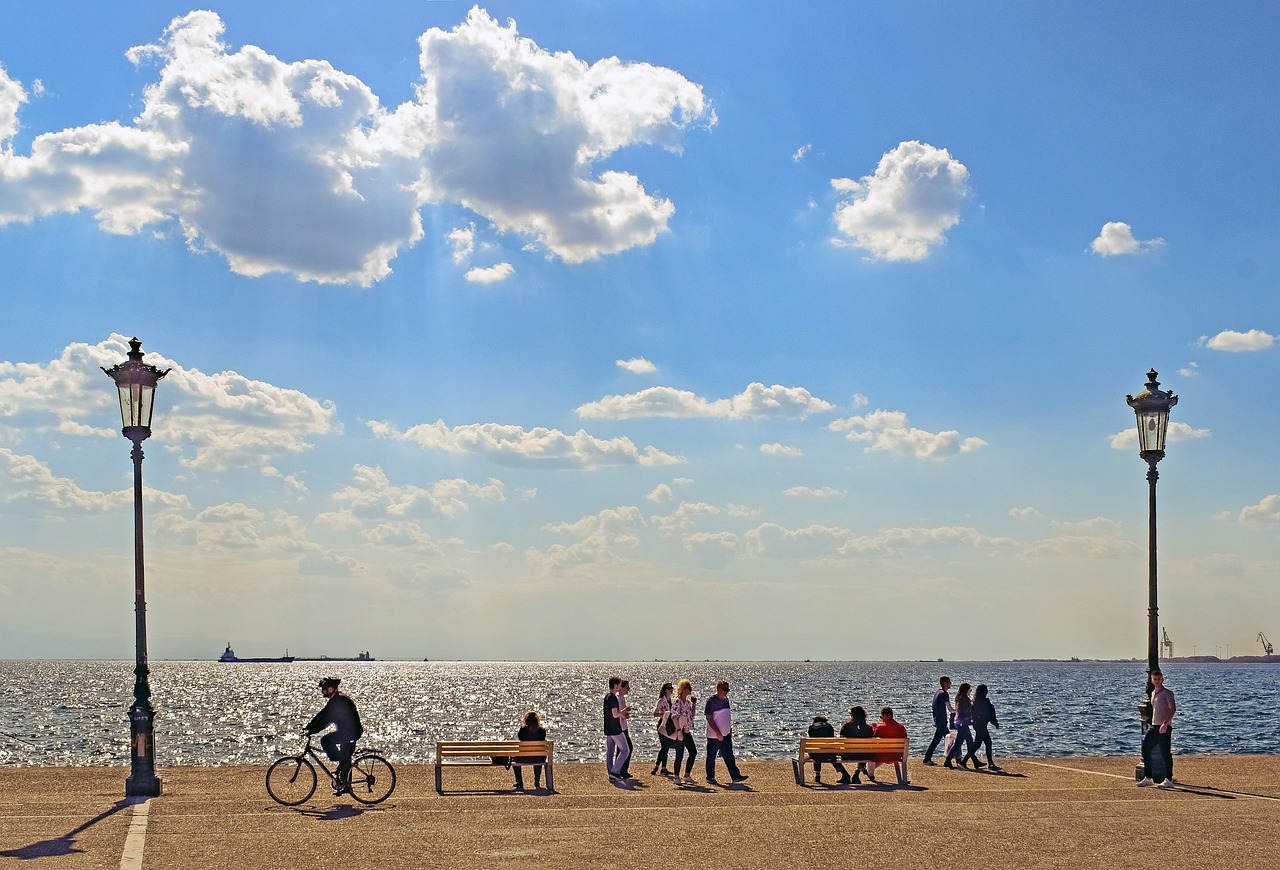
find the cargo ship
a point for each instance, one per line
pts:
(229, 655)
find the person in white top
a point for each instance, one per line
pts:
(682, 712)
(666, 728)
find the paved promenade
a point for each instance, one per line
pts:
(1069, 812)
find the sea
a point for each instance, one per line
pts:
(74, 713)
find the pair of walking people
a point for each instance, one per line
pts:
(970, 717)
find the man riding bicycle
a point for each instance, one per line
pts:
(340, 744)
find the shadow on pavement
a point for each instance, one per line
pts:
(66, 844)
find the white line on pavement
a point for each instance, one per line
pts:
(136, 839)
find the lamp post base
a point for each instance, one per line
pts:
(142, 786)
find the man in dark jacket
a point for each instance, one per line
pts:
(340, 743)
(822, 728)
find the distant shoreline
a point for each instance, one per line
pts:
(1189, 660)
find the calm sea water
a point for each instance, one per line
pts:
(210, 713)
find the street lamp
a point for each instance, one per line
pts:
(1152, 409)
(136, 382)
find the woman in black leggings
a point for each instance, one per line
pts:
(682, 711)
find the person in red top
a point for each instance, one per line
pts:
(886, 727)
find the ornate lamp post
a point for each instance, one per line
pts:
(136, 382)
(1152, 409)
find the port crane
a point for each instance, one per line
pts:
(1167, 644)
(1266, 644)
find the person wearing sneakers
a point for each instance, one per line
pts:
(616, 748)
(340, 743)
(1159, 737)
(941, 707)
(719, 734)
(682, 710)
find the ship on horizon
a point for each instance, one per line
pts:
(229, 656)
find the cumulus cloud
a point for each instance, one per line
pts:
(906, 207)
(12, 96)
(463, 242)
(781, 450)
(1232, 341)
(683, 518)
(236, 526)
(1116, 239)
(756, 400)
(219, 421)
(26, 478)
(889, 431)
(600, 537)
(296, 167)
(490, 274)
(372, 490)
(1265, 511)
(636, 365)
(661, 493)
(514, 445)
(713, 550)
(1128, 439)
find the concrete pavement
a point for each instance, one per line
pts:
(1069, 812)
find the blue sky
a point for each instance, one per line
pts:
(634, 330)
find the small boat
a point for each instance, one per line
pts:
(229, 656)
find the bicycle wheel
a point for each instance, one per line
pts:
(291, 780)
(373, 779)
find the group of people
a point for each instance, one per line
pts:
(855, 726)
(675, 714)
(966, 724)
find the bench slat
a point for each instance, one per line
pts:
(854, 746)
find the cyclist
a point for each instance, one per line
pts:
(340, 744)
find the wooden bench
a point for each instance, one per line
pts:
(854, 749)
(482, 752)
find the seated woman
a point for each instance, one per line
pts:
(531, 730)
(857, 726)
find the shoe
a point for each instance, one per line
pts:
(1146, 782)
(964, 763)
(1165, 783)
(711, 780)
(871, 777)
(817, 777)
(948, 765)
(977, 765)
(930, 762)
(740, 778)
(653, 772)
(991, 765)
(855, 780)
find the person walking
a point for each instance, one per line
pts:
(720, 734)
(666, 729)
(820, 727)
(984, 717)
(616, 748)
(1159, 737)
(857, 726)
(941, 706)
(964, 737)
(682, 712)
(531, 730)
(624, 716)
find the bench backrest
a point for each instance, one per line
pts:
(836, 745)
(471, 748)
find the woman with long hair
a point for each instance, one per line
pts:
(531, 730)
(682, 712)
(666, 728)
(964, 737)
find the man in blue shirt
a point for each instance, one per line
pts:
(941, 708)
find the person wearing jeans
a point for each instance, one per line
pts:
(617, 749)
(720, 734)
(1159, 737)
(941, 726)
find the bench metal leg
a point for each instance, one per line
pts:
(439, 785)
(546, 769)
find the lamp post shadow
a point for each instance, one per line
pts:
(65, 845)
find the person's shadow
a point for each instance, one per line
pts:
(59, 847)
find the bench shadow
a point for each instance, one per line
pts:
(59, 847)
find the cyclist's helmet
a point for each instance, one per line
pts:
(330, 681)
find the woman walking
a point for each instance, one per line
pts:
(682, 712)
(984, 715)
(666, 729)
(964, 737)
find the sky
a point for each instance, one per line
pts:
(601, 329)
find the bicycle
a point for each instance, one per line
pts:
(291, 780)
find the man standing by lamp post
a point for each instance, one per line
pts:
(136, 382)
(1152, 409)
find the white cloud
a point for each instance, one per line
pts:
(372, 490)
(514, 445)
(490, 274)
(756, 400)
(12, 96)
(1190, 370)
(683, 518)
(1026, 513)
(860, 401)
(906, 207)
(25, 478)
(1116, 239)
(637, 365)
(712, 549)
(1230, 340)
(801, 153)
(463, 242)
(1128, 439)
(600, 536)
(1265, 511)
(781, 450)
(228, 419)
(661, 493)
(295, 167)
(889, 431)
(236, 526)
(823, 492)
(773, 541)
